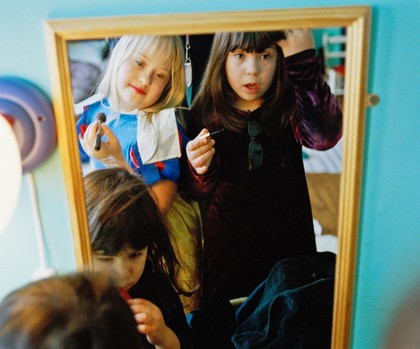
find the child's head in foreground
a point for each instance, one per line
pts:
(81, 310)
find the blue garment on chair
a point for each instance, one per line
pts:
(292, 308)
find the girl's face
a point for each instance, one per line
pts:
(250, 75)
(141, 81)
(128, 265)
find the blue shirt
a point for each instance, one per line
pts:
(125, 129)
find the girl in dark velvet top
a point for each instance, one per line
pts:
(266, 92)
(128, 238)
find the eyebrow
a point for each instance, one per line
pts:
(146, 58)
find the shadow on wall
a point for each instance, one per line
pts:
(404, 331)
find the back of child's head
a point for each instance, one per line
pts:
(81, 310)
(169, 48)
(215, 98)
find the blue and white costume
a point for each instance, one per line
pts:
(154, 153)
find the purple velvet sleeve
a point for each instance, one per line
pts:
(199, 186)
(319, 122)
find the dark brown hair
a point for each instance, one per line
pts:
(212, 107)
(121, 211)
(81, 310)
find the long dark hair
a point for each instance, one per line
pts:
(213, 108)
(121, 211)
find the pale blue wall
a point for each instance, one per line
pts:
(389, 247)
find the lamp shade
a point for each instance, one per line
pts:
(10, 172)
(31, 116)
(27, 137)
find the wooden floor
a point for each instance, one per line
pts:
(324, 194)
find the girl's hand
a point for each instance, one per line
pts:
(200, 152)
(87, 140)
(150, 322)
(297, 40)
(110, 153)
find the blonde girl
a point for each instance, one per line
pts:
(140, 93)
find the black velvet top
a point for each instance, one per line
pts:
(252, 219)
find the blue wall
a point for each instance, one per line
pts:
(389, 241)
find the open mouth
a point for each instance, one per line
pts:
(252, 88)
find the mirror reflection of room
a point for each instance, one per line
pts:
(88, 59)
(247, 227)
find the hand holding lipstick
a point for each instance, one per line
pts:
(109, 150)
(200, 151)
(211, 134)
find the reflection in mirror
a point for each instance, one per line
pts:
(88, 58)
(323, 168)
(355, 21)
(134, 122)
(292, 238)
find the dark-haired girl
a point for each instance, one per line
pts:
(266, 92)
(129, 239)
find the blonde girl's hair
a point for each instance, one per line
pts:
(170, 47)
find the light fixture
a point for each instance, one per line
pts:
(27, 138)
(10, 171)
(31, 115)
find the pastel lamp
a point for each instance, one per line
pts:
(27, 138)
(10, 171)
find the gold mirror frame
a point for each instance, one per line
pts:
(355, 19)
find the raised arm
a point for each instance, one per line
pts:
(319, 122)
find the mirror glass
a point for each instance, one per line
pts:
(78, 50)
(88, 58)
(323, 168)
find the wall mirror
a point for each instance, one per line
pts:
(356, 23)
